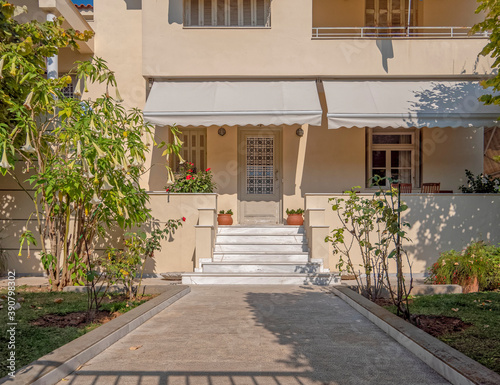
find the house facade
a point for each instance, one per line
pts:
(290, 102)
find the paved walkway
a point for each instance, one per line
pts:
(256, 335)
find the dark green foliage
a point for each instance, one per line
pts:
(480, 184)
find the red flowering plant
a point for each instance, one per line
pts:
(190, 181)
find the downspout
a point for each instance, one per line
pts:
(52, 62)
(409, 19)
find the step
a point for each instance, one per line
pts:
(274, 248)
(301, 257)
(223, 239)
(269, 230)
(321, 279)
(262, 267)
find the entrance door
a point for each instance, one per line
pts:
(260, 177)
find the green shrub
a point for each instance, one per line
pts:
(480, 184)
(291, 212)
(479, 260)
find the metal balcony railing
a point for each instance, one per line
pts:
(395, 33)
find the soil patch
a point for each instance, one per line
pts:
(438, 325)
(77, 319)
(384, 302)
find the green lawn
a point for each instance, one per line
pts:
(481, 341)
(33, 342)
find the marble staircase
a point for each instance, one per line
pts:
(261, 255)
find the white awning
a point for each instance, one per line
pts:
(198, 103)
(393, 103)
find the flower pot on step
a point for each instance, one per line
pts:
(224, 219)
(295, 220)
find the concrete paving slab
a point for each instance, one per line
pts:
(256, 335)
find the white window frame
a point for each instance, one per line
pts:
(227, 14)
(414, 147)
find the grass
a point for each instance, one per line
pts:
(33, 342)
(481, 341)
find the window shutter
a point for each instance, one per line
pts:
(207, 12)
(194, 12)
(221, 12)
(370, 13)
(233, 12)
(247, 12)
(383, 13)
(260, 10)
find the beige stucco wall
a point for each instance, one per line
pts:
(338, 13)
(457, 13)
(177, 253)
(289, 50)
(438, 222)
(447, 152)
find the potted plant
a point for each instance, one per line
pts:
(295, 217)
(225, 218)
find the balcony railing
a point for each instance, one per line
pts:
(395, 33)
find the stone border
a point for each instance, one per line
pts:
(448, 362)
(56, 365)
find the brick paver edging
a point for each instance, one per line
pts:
(448, 362)
(54, 366)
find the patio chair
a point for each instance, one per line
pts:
(404, 188)
(430, 188)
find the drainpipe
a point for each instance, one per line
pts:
(409, 18)
(52, 62)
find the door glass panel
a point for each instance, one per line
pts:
(260, 165)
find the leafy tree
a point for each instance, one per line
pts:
(86, 157)
(491, 24)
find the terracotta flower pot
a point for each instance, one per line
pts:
(224, 219)
(470, 285)
(295, 220)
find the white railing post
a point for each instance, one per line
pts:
(316, 232)
(205, 231)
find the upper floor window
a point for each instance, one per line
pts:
(389, 13)
(227, 13)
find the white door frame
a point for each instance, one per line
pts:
(276, 132)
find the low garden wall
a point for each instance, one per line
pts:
(177, 254)
(439, 222)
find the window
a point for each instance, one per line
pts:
(389, 13)
(69, 90)
(394, 154)
(194, 149)
(227, 13)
